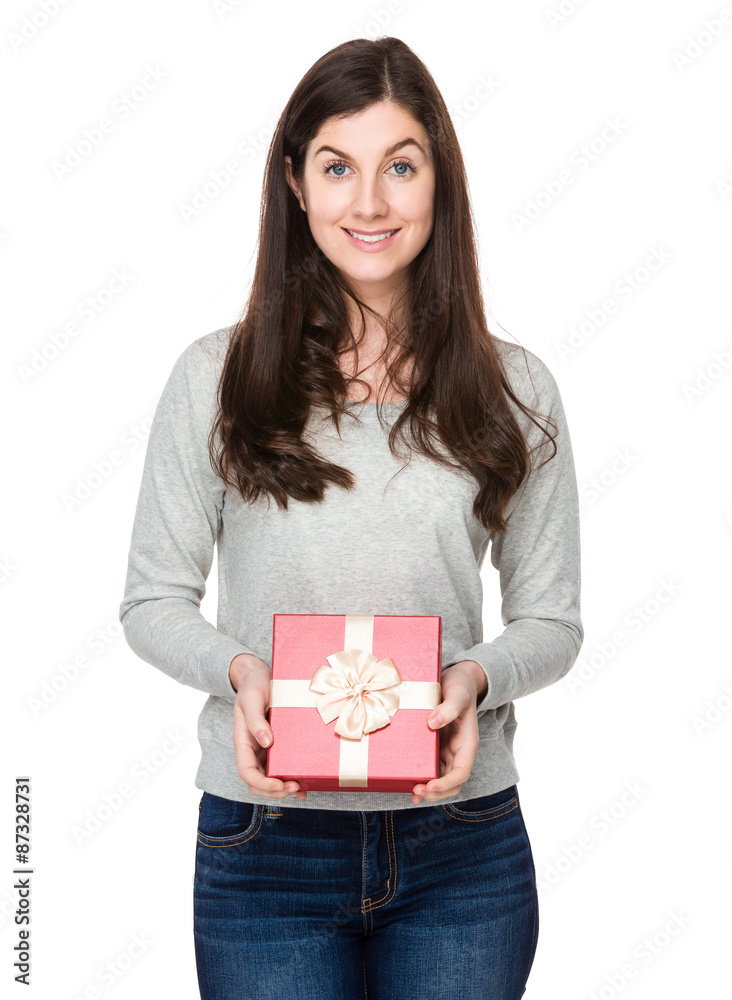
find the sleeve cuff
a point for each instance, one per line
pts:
(214, 659)
(499, 671)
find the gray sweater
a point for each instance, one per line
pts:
(405, 544)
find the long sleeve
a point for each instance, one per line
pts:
(538, 560)
(175, 528)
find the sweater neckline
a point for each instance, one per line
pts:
(373, 407)
(361, 409)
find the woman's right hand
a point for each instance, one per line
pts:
(250, 677)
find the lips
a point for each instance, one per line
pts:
(371, 237)
(376, 238)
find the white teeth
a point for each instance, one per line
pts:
(372, 239)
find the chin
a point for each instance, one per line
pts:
(372, 274)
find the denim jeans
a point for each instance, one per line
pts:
(435, 901)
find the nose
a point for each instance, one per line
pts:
(369, 200)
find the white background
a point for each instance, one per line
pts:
(637, 906)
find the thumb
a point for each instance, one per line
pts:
(254, 701)
(442, 713)
(260, 727)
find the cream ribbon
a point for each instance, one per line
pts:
(358, 690)
(363, 693)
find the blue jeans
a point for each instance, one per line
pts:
(439, 901)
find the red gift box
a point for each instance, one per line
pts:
(349, 700)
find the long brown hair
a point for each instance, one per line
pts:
(282, 355)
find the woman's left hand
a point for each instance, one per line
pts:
(461, 686)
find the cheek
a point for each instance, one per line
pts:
(418, 210)
(324, 226)
(420, 229)
(328, 207)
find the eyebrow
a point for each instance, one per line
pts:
(387, 152)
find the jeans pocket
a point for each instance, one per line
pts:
(227, 822)
(485, 807)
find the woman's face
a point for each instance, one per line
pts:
(355, 178)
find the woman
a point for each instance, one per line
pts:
(365, 227)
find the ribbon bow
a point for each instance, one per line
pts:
(359, 690)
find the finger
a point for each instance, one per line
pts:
(449, 708)
(436, 796)
(445, 785)
(270, 788)
(448, 784)
(257, 781)
(242, 736)
(447, 711)
(254, 701)
(457, 754)
(461, 767)
(248, 763)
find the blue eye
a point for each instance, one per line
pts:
(340, 163)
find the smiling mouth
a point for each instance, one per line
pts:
(376, 238)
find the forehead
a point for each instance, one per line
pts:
(375, 129)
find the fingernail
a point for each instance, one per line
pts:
(434, 721)
(263, 738)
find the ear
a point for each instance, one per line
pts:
(293, 183)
